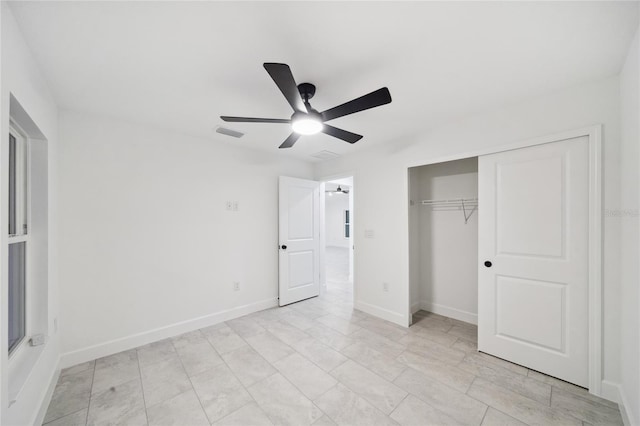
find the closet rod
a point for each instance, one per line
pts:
(451, 201)
(456, 203)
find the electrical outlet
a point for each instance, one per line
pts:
(385, 286)
(235, 206)
(236, 286)
(368, 233)
(229, 205)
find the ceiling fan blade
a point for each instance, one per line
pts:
(281, 75)
(370, 100)
(341, 134)
(288, 143)
(254, 120)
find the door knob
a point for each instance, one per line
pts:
(283, 247)
(487, 264)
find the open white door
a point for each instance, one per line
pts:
(299, 234)
(533, 257)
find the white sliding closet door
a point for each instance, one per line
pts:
(533, 257)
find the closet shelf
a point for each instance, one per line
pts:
(467, 205)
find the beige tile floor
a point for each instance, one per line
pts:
(319, 362)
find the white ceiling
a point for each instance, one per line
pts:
(179, 65)
(345, 182)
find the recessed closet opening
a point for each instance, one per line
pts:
(505, 254)
(443, 236)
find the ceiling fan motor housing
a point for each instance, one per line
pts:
(307, 90)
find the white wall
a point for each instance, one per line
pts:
(630, 223)
(383, 169)
(21, 78)
(447, 251)
(147, 247)
(335, 205)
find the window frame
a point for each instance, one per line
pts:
(23, 211)
(346, 222)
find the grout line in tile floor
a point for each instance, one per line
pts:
(93, 376)
(400, 403)
(146, 413)
(265, 378)
(486, 410)
(285, 377)
(241, 384)
(173, 345)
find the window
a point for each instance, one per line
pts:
(17, 184)
(18, 239)
(17, 294)
(347, 224)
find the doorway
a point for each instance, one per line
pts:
(316, 223)
(338, 241)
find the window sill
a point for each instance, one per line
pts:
(20, 368)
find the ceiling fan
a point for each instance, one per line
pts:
(306, 120)
(338, 190)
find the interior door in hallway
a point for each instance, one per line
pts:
(299, 235)
(533, 257)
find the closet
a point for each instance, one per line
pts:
(509, 241)
(443, 238)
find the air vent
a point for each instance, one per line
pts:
(229, 132)
(325, 155)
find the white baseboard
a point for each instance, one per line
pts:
(610, 391)
(627, 416)
(449, 312)
(125, 343)
(415, 307)
(44, 404)
(614, 392)
(382, 313)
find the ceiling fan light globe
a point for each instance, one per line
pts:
(306, 125)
